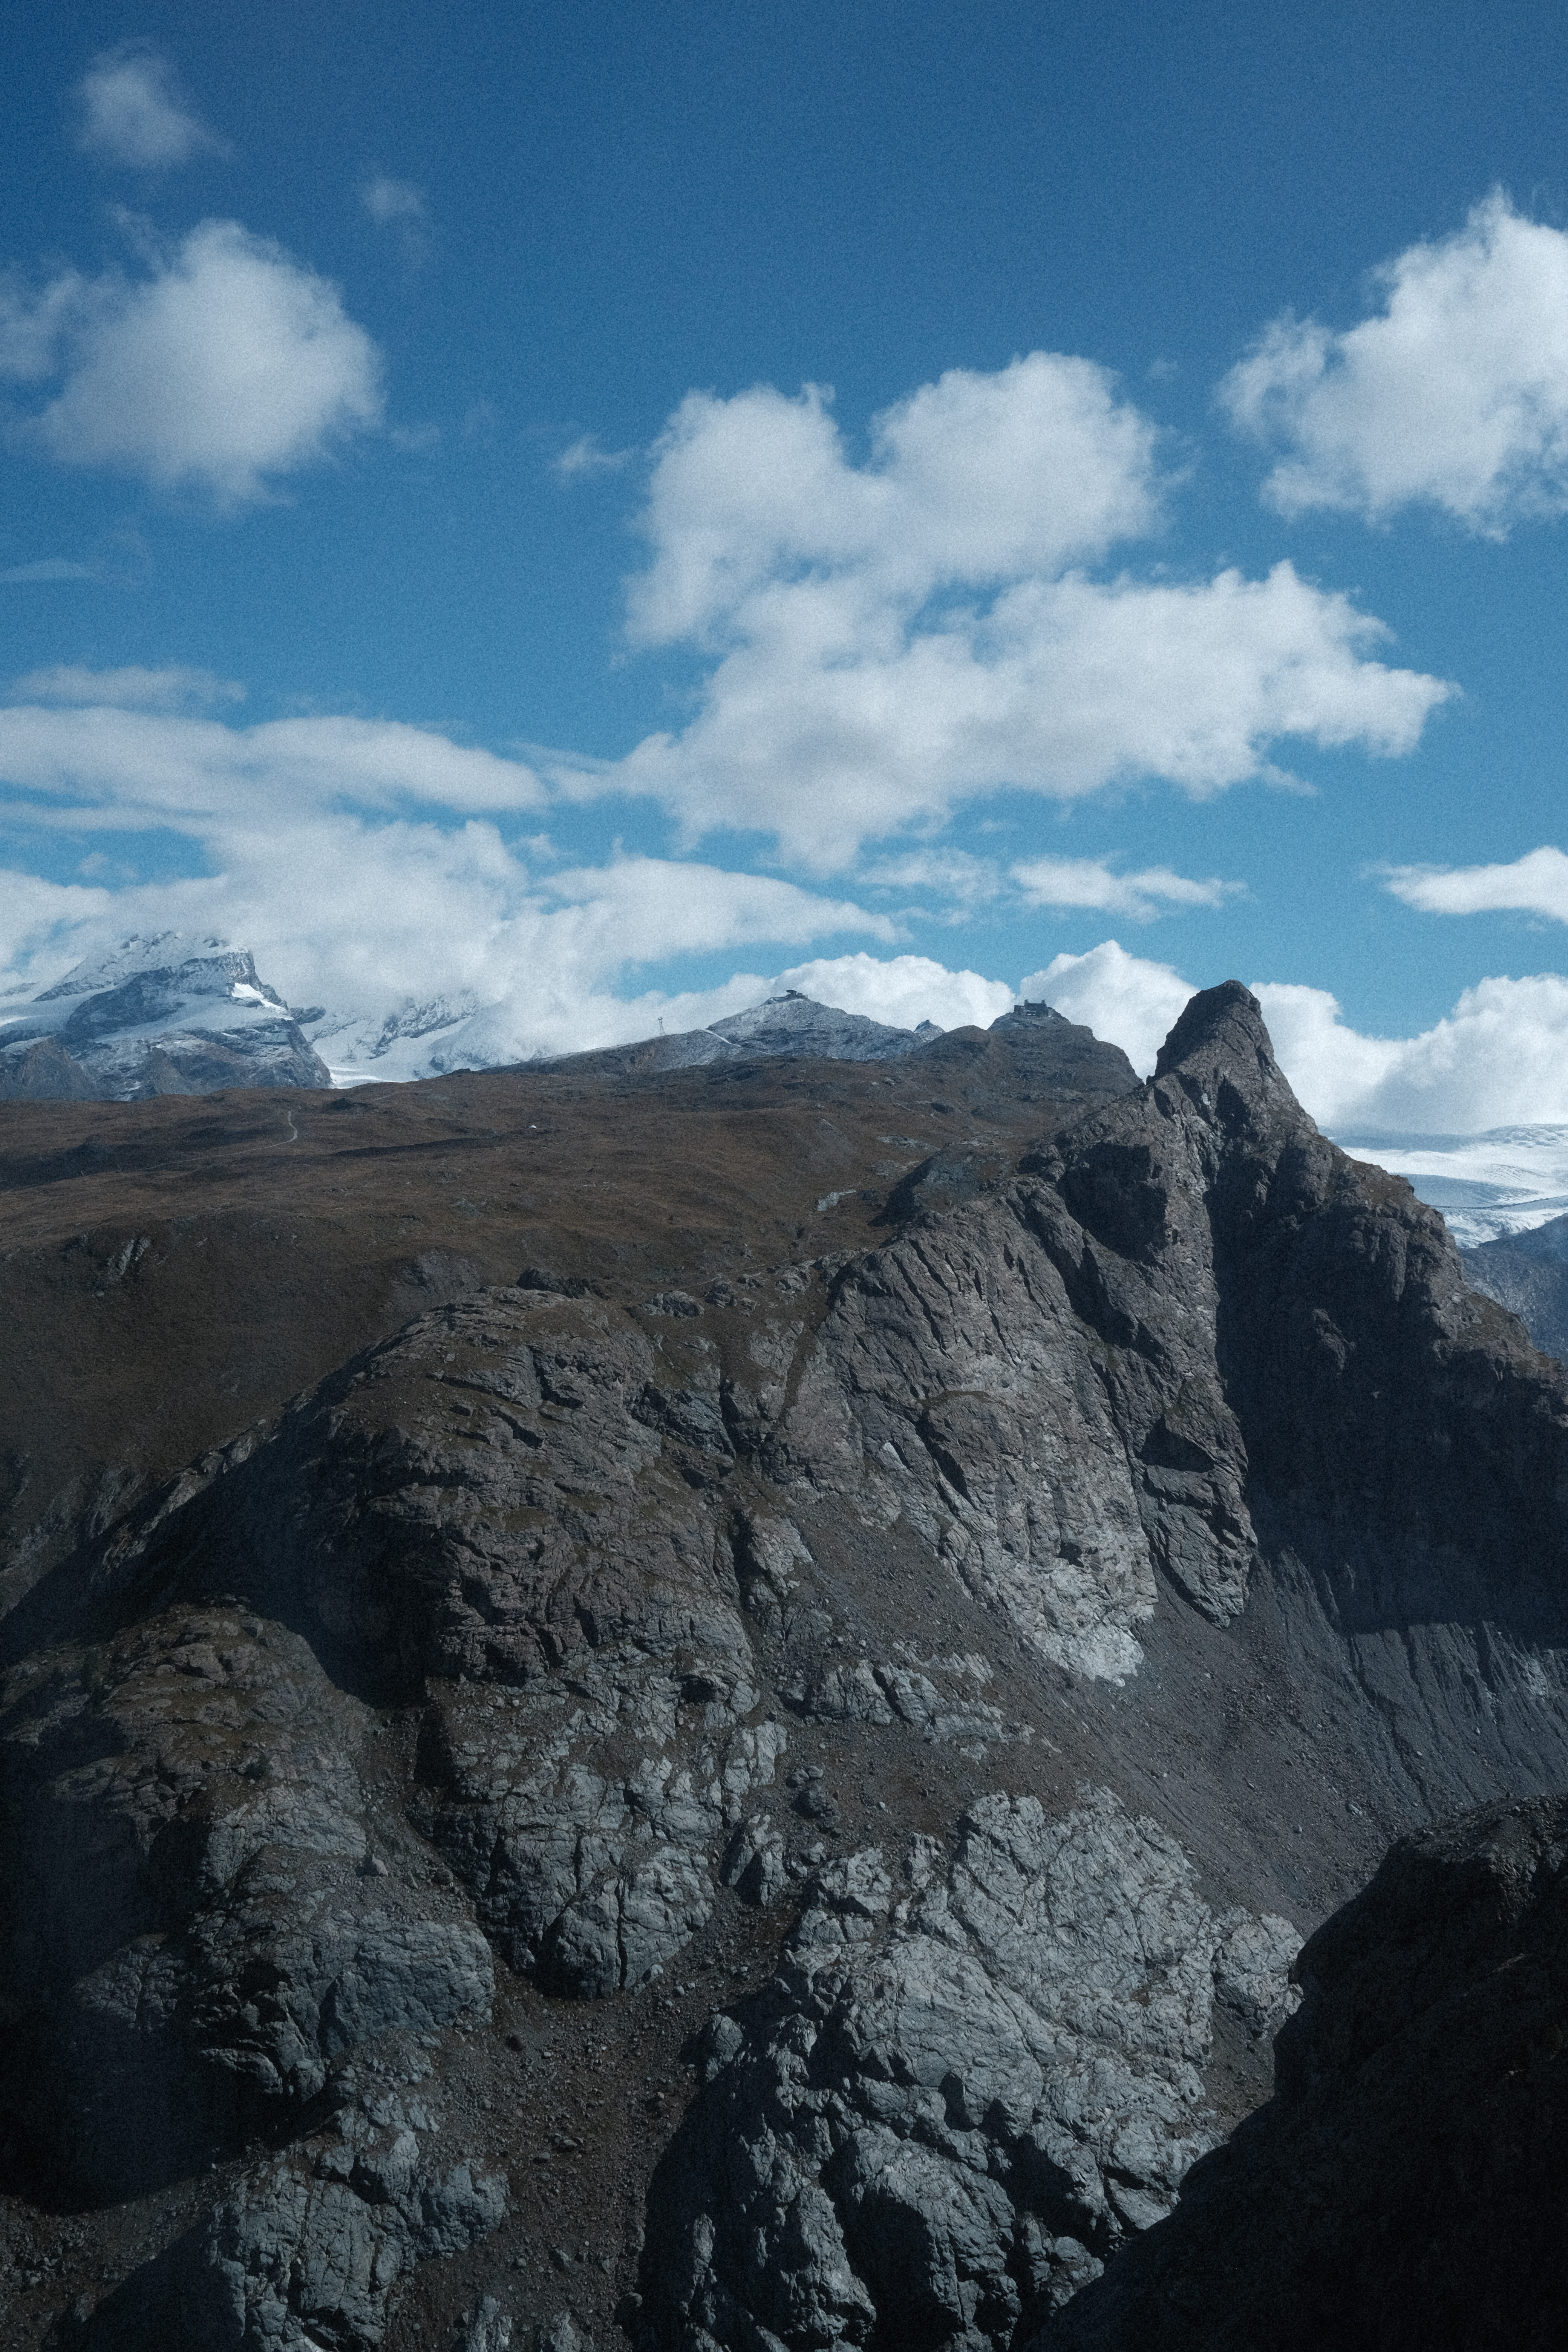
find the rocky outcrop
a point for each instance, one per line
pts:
(39, 1069)
(1405, 2187)
(1194, 1305)
(203, 1920)
(973, 2074)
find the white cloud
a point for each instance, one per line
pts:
(585, 456)
(903, 990)
(1125, 999)
(1498, 1059)
(47, 567)
(174, 688)
(321, 860)
(35, 914)
(972, 480)
(1091, 882)
(229, 365)
(891, 639)
(399, 205)
(1536, 884)
(132, 112)
(361, 915)
(964, 881)
(102, 765)
(389, 201)
(1455, 392)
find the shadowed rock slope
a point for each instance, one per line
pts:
(774, 1808)
(1406, 2186)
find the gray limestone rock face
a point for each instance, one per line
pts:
(1086, 1379)
(1252, 1964)
(948, 1388)
(312, 2250)
(972, 2078)
(489, 2329)
(903, 1691)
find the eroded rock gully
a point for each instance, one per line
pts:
(777, 1809)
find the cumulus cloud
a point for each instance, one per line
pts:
(174, 688)
(903, 990)
(226, 366)
(887, 640)
(132, 112)
(1091, 882)
(1500, 1059)
(1455, 392)
(1126, 998)
(1536, 884)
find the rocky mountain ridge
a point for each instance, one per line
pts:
(771, 1803)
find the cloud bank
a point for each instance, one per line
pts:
(889, 640)
(1454, 392)
(225, 367)
(172, 688)
(100, 764)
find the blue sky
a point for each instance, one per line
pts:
(425, 557)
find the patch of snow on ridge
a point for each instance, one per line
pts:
(1506, 1180)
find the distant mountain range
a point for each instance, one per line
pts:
(170, 1013)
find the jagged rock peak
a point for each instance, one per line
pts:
(1221, 1032)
